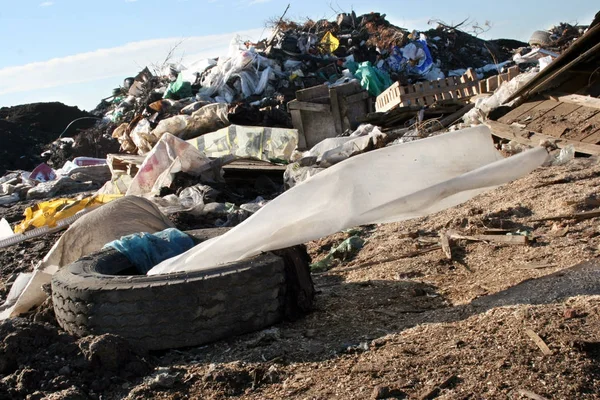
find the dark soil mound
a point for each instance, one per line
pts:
(21, 146)
(38, 359)
(47, 117)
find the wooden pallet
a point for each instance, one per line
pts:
(453, 88)
(565, 120)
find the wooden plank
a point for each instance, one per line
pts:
(312, 93)
(517, 240)
(576, 216)
(511, 132)
(537, 112)
(335, 110)
(585, 101)
(515, 113)
(539, 342)
(353, 98)
(482, 87)
(593, 138)
(307, 106)
(513, 72)
(492, 84)
(582, 123)
(298, 124)
(554, 123)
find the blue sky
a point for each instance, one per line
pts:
(76, 51)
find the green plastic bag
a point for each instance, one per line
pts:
(179, 89)
(371, 79)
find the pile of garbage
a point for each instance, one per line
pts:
(255, 81)
(558, 38)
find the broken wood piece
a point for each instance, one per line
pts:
(539, 342)
(577, 99)
(496, 231)
(536, 266)
(530, 395)
(445, 243)
(578, 216)
(502, 239)
(533, 139)
(431, 394)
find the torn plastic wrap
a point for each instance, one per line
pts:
(170, 156)
(483, 106)
(386, 185)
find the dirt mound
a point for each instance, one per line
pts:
(48, 117)
(93, 142)
(38, 359)
(26, 131)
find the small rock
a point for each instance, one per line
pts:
(107, 352)
(64, 370)
(72, 393)
(417, 292)
(570, 313)
(162, 379)
(310, 333)
(386, 392)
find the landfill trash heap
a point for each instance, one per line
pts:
(257, 80)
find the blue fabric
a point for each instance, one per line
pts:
(146, 250)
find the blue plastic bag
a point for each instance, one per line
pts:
(146, 250)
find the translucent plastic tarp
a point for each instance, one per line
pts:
(386, 185)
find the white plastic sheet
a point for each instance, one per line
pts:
(391, 184)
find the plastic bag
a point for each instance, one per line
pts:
(48, 213)
(142, 137)
(330, 43)
(191, 200)
(176, 126)
(390, 184)
(179, 89)
(372, 79)
(145, 250)
(170, 156)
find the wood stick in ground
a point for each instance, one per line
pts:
(539, 342)
(445, 243)
(531, 395)
(578, 216)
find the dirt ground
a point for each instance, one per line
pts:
(400, 320)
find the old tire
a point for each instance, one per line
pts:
(540, 38)
(92, 296)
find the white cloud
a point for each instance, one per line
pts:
(47, 4)
(253, 2)
(119, 62)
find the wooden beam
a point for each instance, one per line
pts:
(307, 106)
(511, 132)
(585, 101)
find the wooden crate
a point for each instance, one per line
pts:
(322, 112)
(452, 88)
